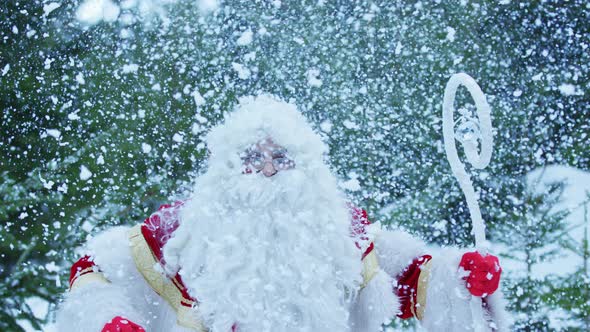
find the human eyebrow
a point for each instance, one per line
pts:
(279, 153)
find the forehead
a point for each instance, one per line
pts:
(267, 144)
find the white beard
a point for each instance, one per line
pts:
(269, 254)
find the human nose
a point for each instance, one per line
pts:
(269, 169)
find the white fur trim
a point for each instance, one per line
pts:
(256, 118)
(111, 252)
(499, 314)
(376, 305)
(396, 250)
(91, 306)
(448, 300)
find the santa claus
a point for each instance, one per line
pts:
(267, 242)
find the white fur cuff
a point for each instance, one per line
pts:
(376, 305)
(91, 306)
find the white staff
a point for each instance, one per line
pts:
(477, 160)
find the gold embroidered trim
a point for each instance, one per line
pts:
(422, 289)
(176, 283)
(88, 278)
(145, 263)
(370, 267)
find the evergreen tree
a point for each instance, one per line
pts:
(103, 122)
(535, 226)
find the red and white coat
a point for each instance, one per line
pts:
(110, 281)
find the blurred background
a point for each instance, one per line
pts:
(105, 104)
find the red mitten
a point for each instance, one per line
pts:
(484, 273)
(120, 324)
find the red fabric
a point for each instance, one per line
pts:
(484, 276)
(120, 324)
(156, 231)
(79, 267)
(158, 227)
(407, 286)
(358, 224)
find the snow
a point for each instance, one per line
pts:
(201, 119)
(451, 34)
(398, 48)
(80, 78)
(199, 100)
(196, 128)
(73, 116)
(245, 38)
(326, 126)
(351, 185)
(87, 226)
(250, 56)
(5, 69)
(51, 266)
(146, 148)
(243, 71)
(94, 11)
(26, 325)
(178, 138)
(85, 173)
(48, 8)
(38, 305)
(63, 188)
(313, 77)
(567, 89)
(207, 6)
(130, 68)
(53, 133)
(46, 184)
(348, 124)
(47, 63)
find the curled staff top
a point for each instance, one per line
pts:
(478, 160)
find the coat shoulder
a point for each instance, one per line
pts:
(111, 252)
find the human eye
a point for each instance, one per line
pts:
(279, 153)
(283, 163)
(256, 159)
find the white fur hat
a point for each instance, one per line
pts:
(256, 118)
